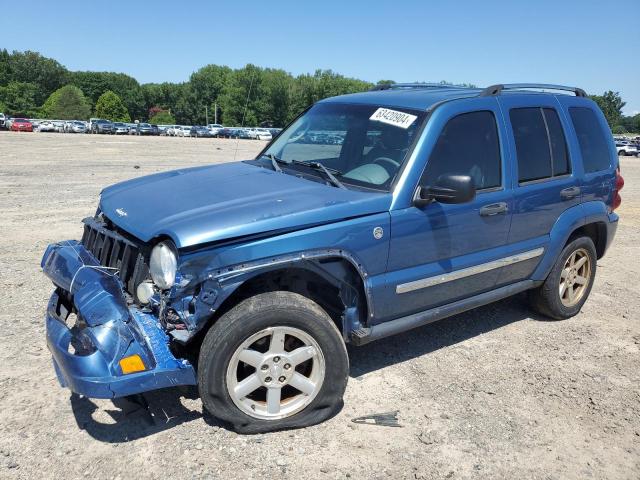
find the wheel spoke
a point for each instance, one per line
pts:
(564, 274)
(273, 400)
(572, 259)
(302, 383)
(277, 341)
(580, 262)
(301, 354)
(581, 280)
(563, 289)
(248, 385)
(251, 357)
(570, 294)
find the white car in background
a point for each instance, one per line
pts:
(46, 126)
(214, 128)
(262, 134)
(625, 148)
(183, 131)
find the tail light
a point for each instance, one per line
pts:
(617, 199)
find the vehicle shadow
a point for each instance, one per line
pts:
(138, 416)
(429, 338)
(144, 415)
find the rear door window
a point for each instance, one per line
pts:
(541, 147)
(593, 144)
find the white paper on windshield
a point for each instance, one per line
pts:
(393, 117)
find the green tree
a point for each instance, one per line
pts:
(611, 105)
(67, 103)
(94, 84)
(162, 118)
(110, 107)
(19, 98)
(44, 73)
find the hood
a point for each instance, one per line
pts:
(219, 202)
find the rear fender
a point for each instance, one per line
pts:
(567, 223)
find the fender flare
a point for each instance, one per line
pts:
(567, 223)
(220, 284)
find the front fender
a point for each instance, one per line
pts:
(209, 276)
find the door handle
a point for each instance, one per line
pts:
(570, 193)
(494, 209)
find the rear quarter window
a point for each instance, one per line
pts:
(591, 138)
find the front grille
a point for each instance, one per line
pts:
(114, 250)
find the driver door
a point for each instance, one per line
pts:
(441, 252)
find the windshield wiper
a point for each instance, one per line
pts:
(325, 170)
(274, 162)
(315, 165)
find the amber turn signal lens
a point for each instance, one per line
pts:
(132, 364)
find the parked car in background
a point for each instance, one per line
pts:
(214, 128)
(120, 128)
(262, 134)
(21, 125)
(101, 126)
(224, 132)
(76, 126)
(626, 148)
(184, 131)
(79, 127)
(133, 128)
(274, 132)
(199, 131)
(46, 126)
(242, 133)
(155, 130)
(144, 129)
(2, 119)
(8, 121)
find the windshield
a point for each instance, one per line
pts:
(363, 145)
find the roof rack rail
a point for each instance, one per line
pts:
(393, 86)
(497, 89)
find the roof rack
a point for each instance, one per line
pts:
(394, 86)
(497, 89)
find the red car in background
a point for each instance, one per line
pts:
(21, 125)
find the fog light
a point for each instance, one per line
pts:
(132, 364)
(144, 292)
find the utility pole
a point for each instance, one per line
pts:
(206, 114)
(215, 112)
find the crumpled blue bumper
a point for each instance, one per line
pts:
(86, 355)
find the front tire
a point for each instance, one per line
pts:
(569, 283)
(274, 361)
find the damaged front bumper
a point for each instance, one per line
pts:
(87, 354)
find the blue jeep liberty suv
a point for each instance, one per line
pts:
(371, 214)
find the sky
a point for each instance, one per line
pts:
(590, 44)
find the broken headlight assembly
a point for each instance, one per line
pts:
(163, 265)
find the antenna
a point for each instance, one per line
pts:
(244, 113)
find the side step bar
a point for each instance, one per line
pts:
(363, 336)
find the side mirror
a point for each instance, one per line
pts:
(446, 189)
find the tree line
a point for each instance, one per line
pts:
(35, 86)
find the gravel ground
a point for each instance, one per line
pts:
(493, 393)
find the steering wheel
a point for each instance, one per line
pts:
(389, 164)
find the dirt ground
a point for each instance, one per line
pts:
(493, 393)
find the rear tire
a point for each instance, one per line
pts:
(569, 283)
(291, 353)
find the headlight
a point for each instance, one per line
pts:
(163, 265)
